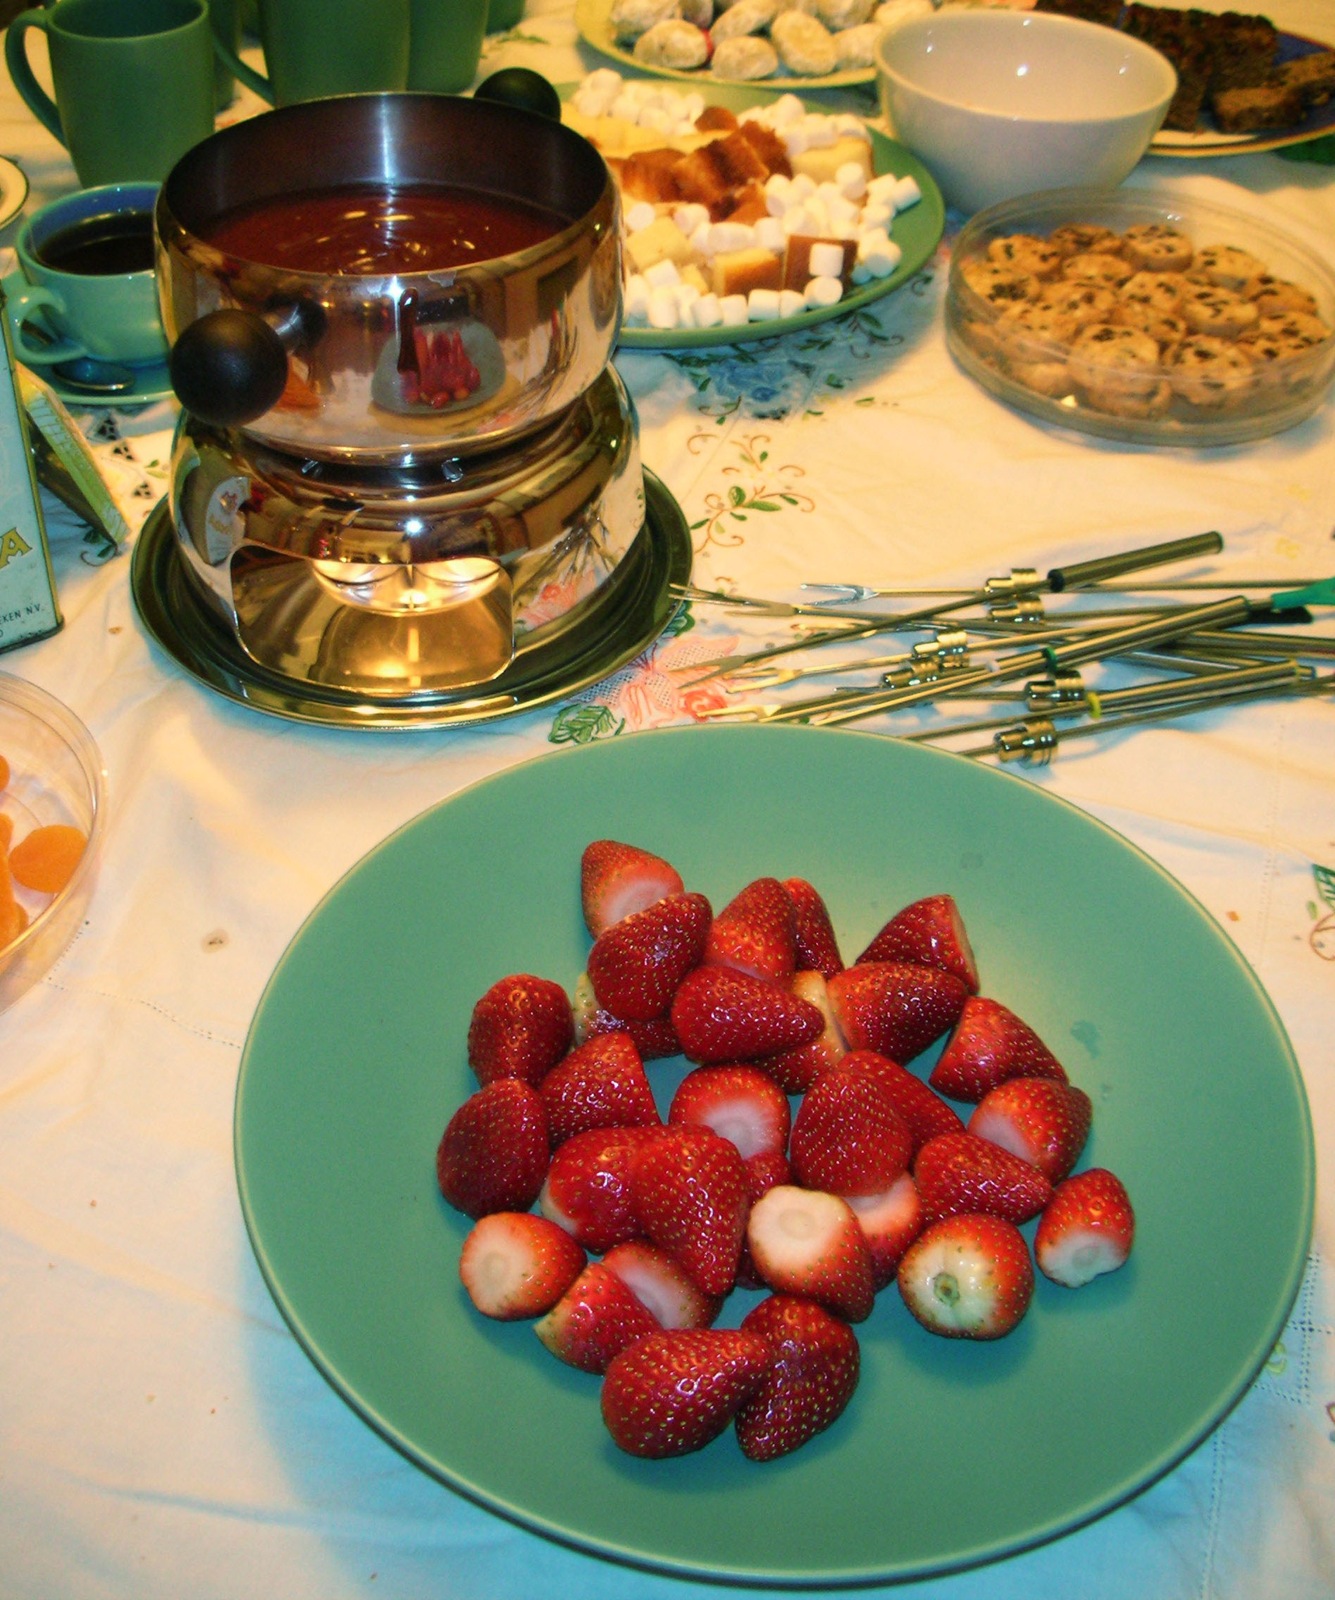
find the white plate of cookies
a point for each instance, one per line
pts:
(684, 38)
(1139, 316)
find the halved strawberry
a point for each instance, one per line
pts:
(847, 1136)
(689, 1189)
(587, 1189)
(663, 1284)
(1087, 1229)
(674, 1392)
(617, 879)
(806, 1242)
(494, 1151)
(754, 933)
(637, 964)
(895, 1008)
(602, 1084)
(594, 1320)
(929, 933)
(890, 1222)
(520, 1028)
(795, 1070)
(989, 1045)
(959, 1172)
(741, 1102)
(514, 1264)
(814, 1365)
(655, 1039)
(817, 945)
(926, 1113)
(722, 1015)
(1041, 1120)
(968, 1277)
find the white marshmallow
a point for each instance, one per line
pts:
(826, 260)
(705, 311)
(663, 312)
(689, 217)
(907, 192)
(803, 186)
(762, 305)
(791, 301)
(635, 299)
(732, 310)
(663, 274)
(769, 233)
(823, 291)
(876, 216)
(640, 215)
(820, 131)
(786, 110)
(878, 253)
(731, 236)
(657, 120)
(700, 239)
(852, 180)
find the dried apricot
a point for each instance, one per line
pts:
(4, 773)
(45, 859)
(6, 830)
(13, 918)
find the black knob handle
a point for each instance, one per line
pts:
(228, 368)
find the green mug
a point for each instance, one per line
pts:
(504, 14)
(133, 83)
(315, 48)
(445, 44)
(86, 284)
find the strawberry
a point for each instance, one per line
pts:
(765, 1171)
(1041, 1120)
(755, 933)
(514, 1264)
(663, 1284)
(587, 1189)
(594, 1320)
(814, 1362)
(1088, 1228)
(493, 1154)
(926, 1113)
(959, 1172)
(600, 1085)
(895, 1008)
(847, 1136)
(968, 1277)
(808, 1243)
(722, 1015)
(674, 1392)
(655, 1039)
(741, 1102)
(989, 1045)
(794, 1070)
(929, 933)
(520, 1028)
(636, 965)
(617, 879)
(817, 946)
(689, 1191)
(890, 1222)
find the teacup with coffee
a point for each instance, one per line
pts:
(87, 285)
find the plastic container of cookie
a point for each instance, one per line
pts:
(1138, 315)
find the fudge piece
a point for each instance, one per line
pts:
(1271, 105)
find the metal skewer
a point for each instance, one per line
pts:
(855, 593)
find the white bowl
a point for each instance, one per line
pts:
(1002, 103)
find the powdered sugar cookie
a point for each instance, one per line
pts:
(747, 57)
(805, 45)
(675, 44)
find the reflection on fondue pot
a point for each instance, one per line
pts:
(392, 318)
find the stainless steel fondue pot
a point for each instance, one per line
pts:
(350, 534)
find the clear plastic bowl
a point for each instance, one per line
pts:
(1044, 377)
(56, 776)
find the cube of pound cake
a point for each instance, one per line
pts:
(712, 175)
(648, 175)
(833, 258)
(740, 271)
(1245, 110)
(662, 240)
(822, 164)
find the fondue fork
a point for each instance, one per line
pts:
(855, 593)
(1081, 574)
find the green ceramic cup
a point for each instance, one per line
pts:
(315, 48)
(446, 44)
(504, 14)
(110, 315)
(133, 83)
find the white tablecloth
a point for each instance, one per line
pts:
(161, 1432)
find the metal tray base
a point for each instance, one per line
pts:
(635, 605)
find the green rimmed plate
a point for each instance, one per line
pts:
(355, 1061)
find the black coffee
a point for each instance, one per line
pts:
(102, 246)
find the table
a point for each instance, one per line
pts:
(161, 1432)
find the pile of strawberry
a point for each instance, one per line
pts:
(643, 1227)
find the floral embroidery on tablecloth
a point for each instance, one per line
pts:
(648, 692)
(1321, 936)
(771, 487)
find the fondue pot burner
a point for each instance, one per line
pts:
(402, 448)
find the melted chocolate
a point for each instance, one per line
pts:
(371, 231)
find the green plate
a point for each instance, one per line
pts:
(951, 1452)
(917, 231)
